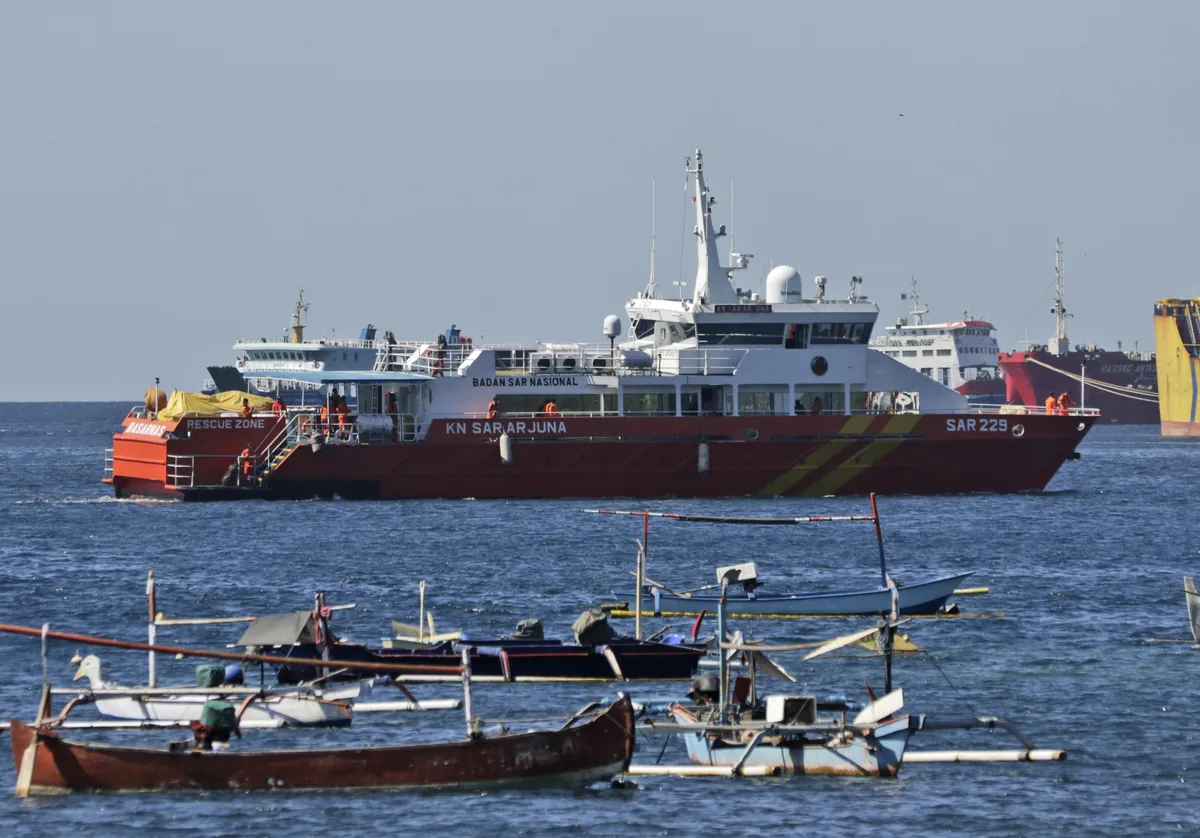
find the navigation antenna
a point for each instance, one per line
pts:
(297, 326)
(917, 311)
(1060, 345)
(651, 288)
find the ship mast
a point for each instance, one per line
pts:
(917, 311)
(712, 280)
(1059, 345)
(297, 326)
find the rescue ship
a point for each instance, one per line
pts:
(961, 355)
(725, 393)
(1122, 385)
(1177, 344)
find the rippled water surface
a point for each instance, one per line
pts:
(1083, 574)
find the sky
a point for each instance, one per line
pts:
(171, 173)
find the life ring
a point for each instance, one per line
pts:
(316, 365)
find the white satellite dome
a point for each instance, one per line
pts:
(612, 326)
(783, 284)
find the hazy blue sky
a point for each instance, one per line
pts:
(173, 171)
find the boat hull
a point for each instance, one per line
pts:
(1031, 376)
(578, 756)
(879, 753)
(526, 660)
(925, 598)
(289, 711)
(628, 457)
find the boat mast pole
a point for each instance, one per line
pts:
(723, 664)
(641, 572)
(152, 630)
(466, 684)
(879, 537)
(421, 614)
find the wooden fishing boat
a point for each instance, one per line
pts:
(922, 598)
(620, 659)
(862, 748)
(577, 754)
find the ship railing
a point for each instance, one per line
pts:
(108, 464)
(560, 359)
(371, 428)
(1023, 410)
(181, 470)
(340, 343)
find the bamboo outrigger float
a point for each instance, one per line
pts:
(593, 744)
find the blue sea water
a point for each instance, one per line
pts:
(1083, 573)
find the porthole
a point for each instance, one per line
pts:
(1018, 430)
(819, 365)
(750, 433)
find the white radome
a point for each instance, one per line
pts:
(783, 283)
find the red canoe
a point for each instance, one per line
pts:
(574, 755)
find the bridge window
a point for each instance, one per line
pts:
(643, 328)
(740, 334)
(796, 336)
(841, 332)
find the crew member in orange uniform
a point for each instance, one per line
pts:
(247, 459)
(493, 409)
(1051, 405)
(247, 410)
(278, 408)
(1064, 404)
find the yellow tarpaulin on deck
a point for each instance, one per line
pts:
(230, 401)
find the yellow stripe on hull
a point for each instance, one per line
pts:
(853, 465)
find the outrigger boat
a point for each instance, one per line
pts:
(733, 732)
(727, 393)
(923, 598)
(593, 744)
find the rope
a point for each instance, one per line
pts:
(961, 697)
(1103, 386)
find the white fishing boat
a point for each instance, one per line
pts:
(292, 706)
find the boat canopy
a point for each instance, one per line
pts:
(280, 630)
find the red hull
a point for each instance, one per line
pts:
(1029, 382)
(594, 750)
(640, 457)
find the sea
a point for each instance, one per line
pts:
(1081, 578)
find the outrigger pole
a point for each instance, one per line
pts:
(366, 666)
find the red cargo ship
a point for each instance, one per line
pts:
(1123, 386)
(722, 394)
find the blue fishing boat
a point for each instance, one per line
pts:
(923, 598)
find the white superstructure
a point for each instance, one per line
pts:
(723, 351)
(952, 354)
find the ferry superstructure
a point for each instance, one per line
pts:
(723, 393)
(960, 355)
